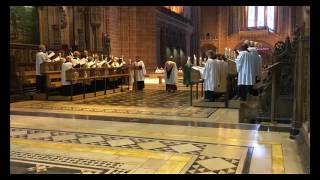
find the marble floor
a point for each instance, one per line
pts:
(122, 134)
(154, 104)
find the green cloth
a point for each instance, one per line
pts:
(187, 74)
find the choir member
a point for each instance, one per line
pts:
(85, 54)
(171, 75)
(246, 72)
(76, 55)
(139, 73)
(42, 56)
(210, 76)
(115, 63)
(65, 88)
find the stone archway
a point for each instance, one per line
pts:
(207, 47)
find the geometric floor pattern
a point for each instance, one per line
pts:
(36, 163)
(147, 102)
(202, 165)
(50, 162)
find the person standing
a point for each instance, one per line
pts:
(66, 85)
(139, 73)
(246, 72)
(42, 56)
(171, 75)
(211, 76)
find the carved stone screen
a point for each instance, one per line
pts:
(24, 25)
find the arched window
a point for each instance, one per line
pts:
(176, 9)
(261, 16)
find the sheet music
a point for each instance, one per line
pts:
(101, 63)
(56, 59)
(83, 61)
(51, 54)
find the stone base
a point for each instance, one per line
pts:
(39, 96)
(304, 149)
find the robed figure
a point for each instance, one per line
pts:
(246, 68)
(171, 76)
(139, 73)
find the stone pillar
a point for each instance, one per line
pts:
(43, 26)
(222, 28)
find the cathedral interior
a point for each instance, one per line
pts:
(106, 118)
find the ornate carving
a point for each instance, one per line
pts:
(283, 53)
(62, 17)
(56, 36)
(95, 16)
(106, 44)
(81, 39)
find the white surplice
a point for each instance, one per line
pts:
(211, 75)
(246, 68)
(40, 58)
(173, 79)
(64, 67)
(139, 73)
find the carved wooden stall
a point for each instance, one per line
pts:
(82, 74)
(275, 101)
(52, 73)
(22, 67)
(282, 83)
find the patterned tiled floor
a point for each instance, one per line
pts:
(31, 162)
(147, 102)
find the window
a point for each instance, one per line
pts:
(261, 16)
(270, 19)
(251, 16)
(176, 9)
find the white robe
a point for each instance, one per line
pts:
(139, 73)
(246, 68)
(173, 76)
(40, 58)
(211, 75)
(258, 61)
(64, 67)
